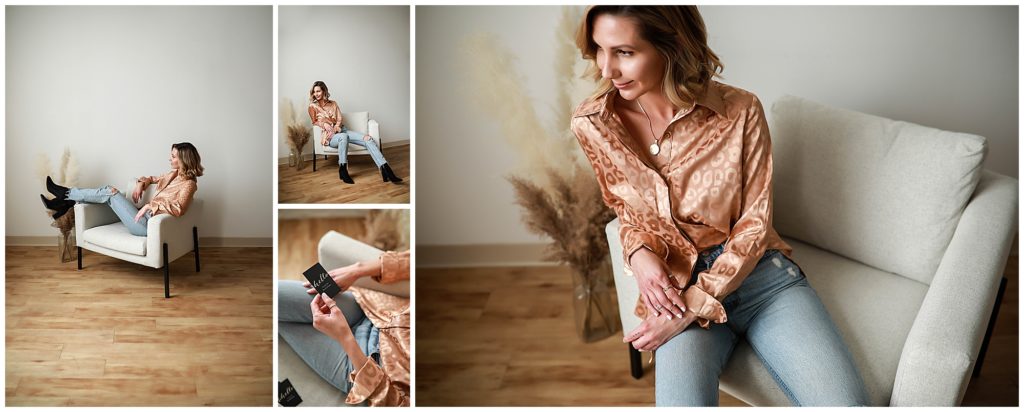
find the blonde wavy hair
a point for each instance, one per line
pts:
(188, 157)
(679, 35)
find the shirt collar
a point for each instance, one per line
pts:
(711, 98)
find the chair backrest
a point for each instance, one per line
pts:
(882, 192)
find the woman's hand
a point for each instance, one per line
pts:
(345, 276)
(367, 137)
(137, 193)
(655, 331)
(337, 129)
(328, 318)
(142, 212)
(660, 296)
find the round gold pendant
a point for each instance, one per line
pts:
(655, 149)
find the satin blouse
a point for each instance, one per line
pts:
(388, 383)
(715, 187)
(173, 194)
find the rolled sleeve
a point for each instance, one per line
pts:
(394, 266)
(370, 384)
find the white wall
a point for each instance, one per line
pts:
(361, 52)
(952, 68)
(119, 85)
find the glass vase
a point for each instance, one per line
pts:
(293, 158)
(595, 303)
(66, 246)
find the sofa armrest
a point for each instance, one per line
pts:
(337, 250)
(88, 216)
(374, 129)
(942, 346)
(175, 231)
(625, 286)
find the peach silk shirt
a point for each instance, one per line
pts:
(326, 116)
(387, 384)
(714, 186)
(173, 193)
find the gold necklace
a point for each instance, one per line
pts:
(656, 146)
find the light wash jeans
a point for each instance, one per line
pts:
(341, 140)
(783, 320)
(322, 353)
(122, 207)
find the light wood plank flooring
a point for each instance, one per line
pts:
(105, 335)
(323, 186)
(504, 336)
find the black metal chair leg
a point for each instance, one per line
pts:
(79, 258)
(195, 245)
(314, 157)
(636, 367)
(167, 274)
(991, 326)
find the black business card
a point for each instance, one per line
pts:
(287, 395)
(321, 280)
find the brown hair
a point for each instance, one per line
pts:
(679, 35)
(188, 158)
(323, 86)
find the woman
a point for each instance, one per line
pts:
(686, 164)
(362, 347)
(174, 192)
(326, 114)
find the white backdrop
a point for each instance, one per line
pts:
(361, 52)
(952, 68)
(119, 85)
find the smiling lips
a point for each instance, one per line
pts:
(623, 85)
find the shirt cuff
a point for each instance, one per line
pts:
(365, 382)
(706, 307)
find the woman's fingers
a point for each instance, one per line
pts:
(651, 305)
(311, 291)
(676, 297)
(666, 306)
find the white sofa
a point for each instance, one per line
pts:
(358, 121)
(335, 250)
(903, 236)
(167, 238)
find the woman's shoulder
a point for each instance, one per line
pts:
(736, 99)
(589, 106)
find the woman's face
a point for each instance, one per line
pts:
(318, 93)
(174, 159)
(632, 64)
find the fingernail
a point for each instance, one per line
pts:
(680, 316)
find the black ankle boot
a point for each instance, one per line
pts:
(60, 191)
(389, 175)
(343, 174)
(60, 207)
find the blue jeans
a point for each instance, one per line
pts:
(122, 207)
(783, 320)
(341, 140)
(322, 353)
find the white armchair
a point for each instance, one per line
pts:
(903, 236)
(335, 250)
(358, 121)
(98, 229)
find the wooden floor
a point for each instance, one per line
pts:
(505, 337)
(298, 239)
(105, 335)
(323, 186)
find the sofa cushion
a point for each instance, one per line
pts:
(873, 310)
(883, 192)
(115, 236)
(357, 121)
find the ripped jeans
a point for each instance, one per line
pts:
(780, 316)
(122, 207)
